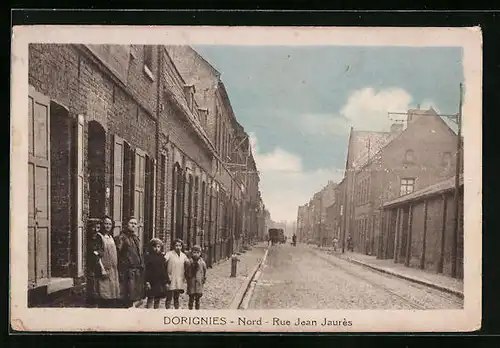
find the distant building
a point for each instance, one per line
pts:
(313, 220)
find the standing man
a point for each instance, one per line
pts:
(294, 240)
(130, 264)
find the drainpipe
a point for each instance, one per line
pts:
(158, 111)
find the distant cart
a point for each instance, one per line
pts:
(276, 235)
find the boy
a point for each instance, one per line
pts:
(196, 275)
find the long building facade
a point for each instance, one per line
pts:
(119, 130)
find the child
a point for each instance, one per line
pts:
(156, 274)
(196, 275)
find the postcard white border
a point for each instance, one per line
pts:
(79, 319)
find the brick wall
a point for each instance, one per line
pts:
(195, 70)
(186, 139)
(61, 181)
(71, 76)
(388, 168)
(435, 252)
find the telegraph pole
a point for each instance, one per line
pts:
(454, 250)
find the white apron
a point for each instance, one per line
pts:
(175, 270)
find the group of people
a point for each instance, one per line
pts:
(120, 274)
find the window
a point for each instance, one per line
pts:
(409, 156)
(367, 189)
(446, 160)
(148, 57)
(407, 186)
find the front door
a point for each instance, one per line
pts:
(39, 189)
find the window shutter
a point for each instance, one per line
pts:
(118, 175)
(139, 190)
(39, 234)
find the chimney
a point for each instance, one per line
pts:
(396, 128)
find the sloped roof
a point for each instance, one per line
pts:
(432, 190)
(368, 157)
(175, 89)
(365, 144)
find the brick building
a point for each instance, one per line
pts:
(314, 224)
(418, 229)
(417, 156)
(261, 221)
(236, 170)
(302, 223)
(118, 130)
(362, 146)
(86, 101)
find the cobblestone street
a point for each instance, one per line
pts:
(300, 278)
(220, 288)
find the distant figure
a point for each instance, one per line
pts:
(350, 247)
(294, 240)
(335, 243)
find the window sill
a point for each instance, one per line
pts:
(55, 284)
(148, 73)
(58, 284)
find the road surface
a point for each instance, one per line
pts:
(302, 278)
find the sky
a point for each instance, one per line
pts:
(298, 103)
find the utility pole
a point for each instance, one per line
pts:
(457, 118)
(454, 250)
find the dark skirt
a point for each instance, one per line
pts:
(157, 290)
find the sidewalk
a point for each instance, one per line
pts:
(434, 280)
(220, 289)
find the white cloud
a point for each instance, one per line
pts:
(365, 109)
(284, 183)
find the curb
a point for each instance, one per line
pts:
(411, 279)
(242, 291)
(402, 276)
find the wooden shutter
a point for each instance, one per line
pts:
(39, 189)
(118, 174)
(139, 189)
(149, 200)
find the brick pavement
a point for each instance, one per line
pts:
(220, 288)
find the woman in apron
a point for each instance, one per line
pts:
(107, 286)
